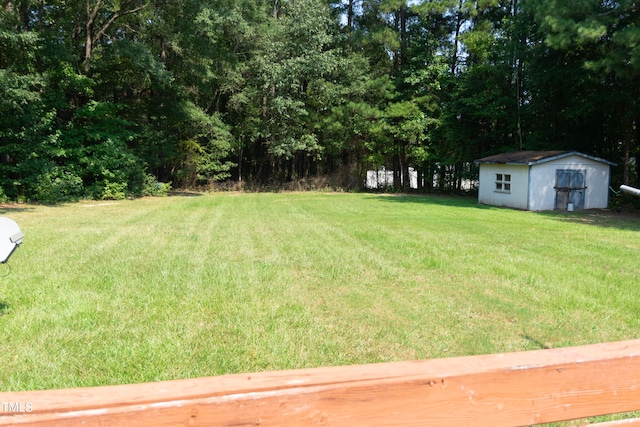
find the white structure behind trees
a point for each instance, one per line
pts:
(383, 178)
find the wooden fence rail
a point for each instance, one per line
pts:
(510, 389)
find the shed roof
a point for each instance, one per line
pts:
(535, 157)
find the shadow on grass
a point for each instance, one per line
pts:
(184, 193)
(433, 199)
(11, 208)
(597, 217)
(539, 344)
(4, 308)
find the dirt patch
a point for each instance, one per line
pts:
(93, 205)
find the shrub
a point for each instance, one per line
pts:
(151, 187)
(111, 191)
(59, 185)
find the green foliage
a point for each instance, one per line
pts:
(97, 141)
(206, 142)
(151, 187)
(27, 133)
(294, 65)
(591, 48)
(106, 190)
(58, 185)
(198, 91)
(18, 49)
(135, 65)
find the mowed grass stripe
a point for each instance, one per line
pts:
(163, 288)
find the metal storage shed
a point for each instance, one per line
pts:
(544, 180)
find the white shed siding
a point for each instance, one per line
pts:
(516, 198)
(542, 194)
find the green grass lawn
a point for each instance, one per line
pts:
(167, 288)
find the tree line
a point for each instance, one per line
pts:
(107, 98)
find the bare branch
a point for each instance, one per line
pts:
(114, 17)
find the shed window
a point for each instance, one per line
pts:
(503, 182)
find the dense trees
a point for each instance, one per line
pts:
(104, 98)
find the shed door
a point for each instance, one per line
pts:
(570, 188)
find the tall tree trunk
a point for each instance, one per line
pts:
(628, 136)
(518, 71)
(91, 19)
(240, 155)
(397, 176)
(396, 53)
(350, 14)
(403, 34)
(40, 13)
(404, 166)
(636, 180)
(456, 39)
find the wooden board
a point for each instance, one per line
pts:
(493, 390)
